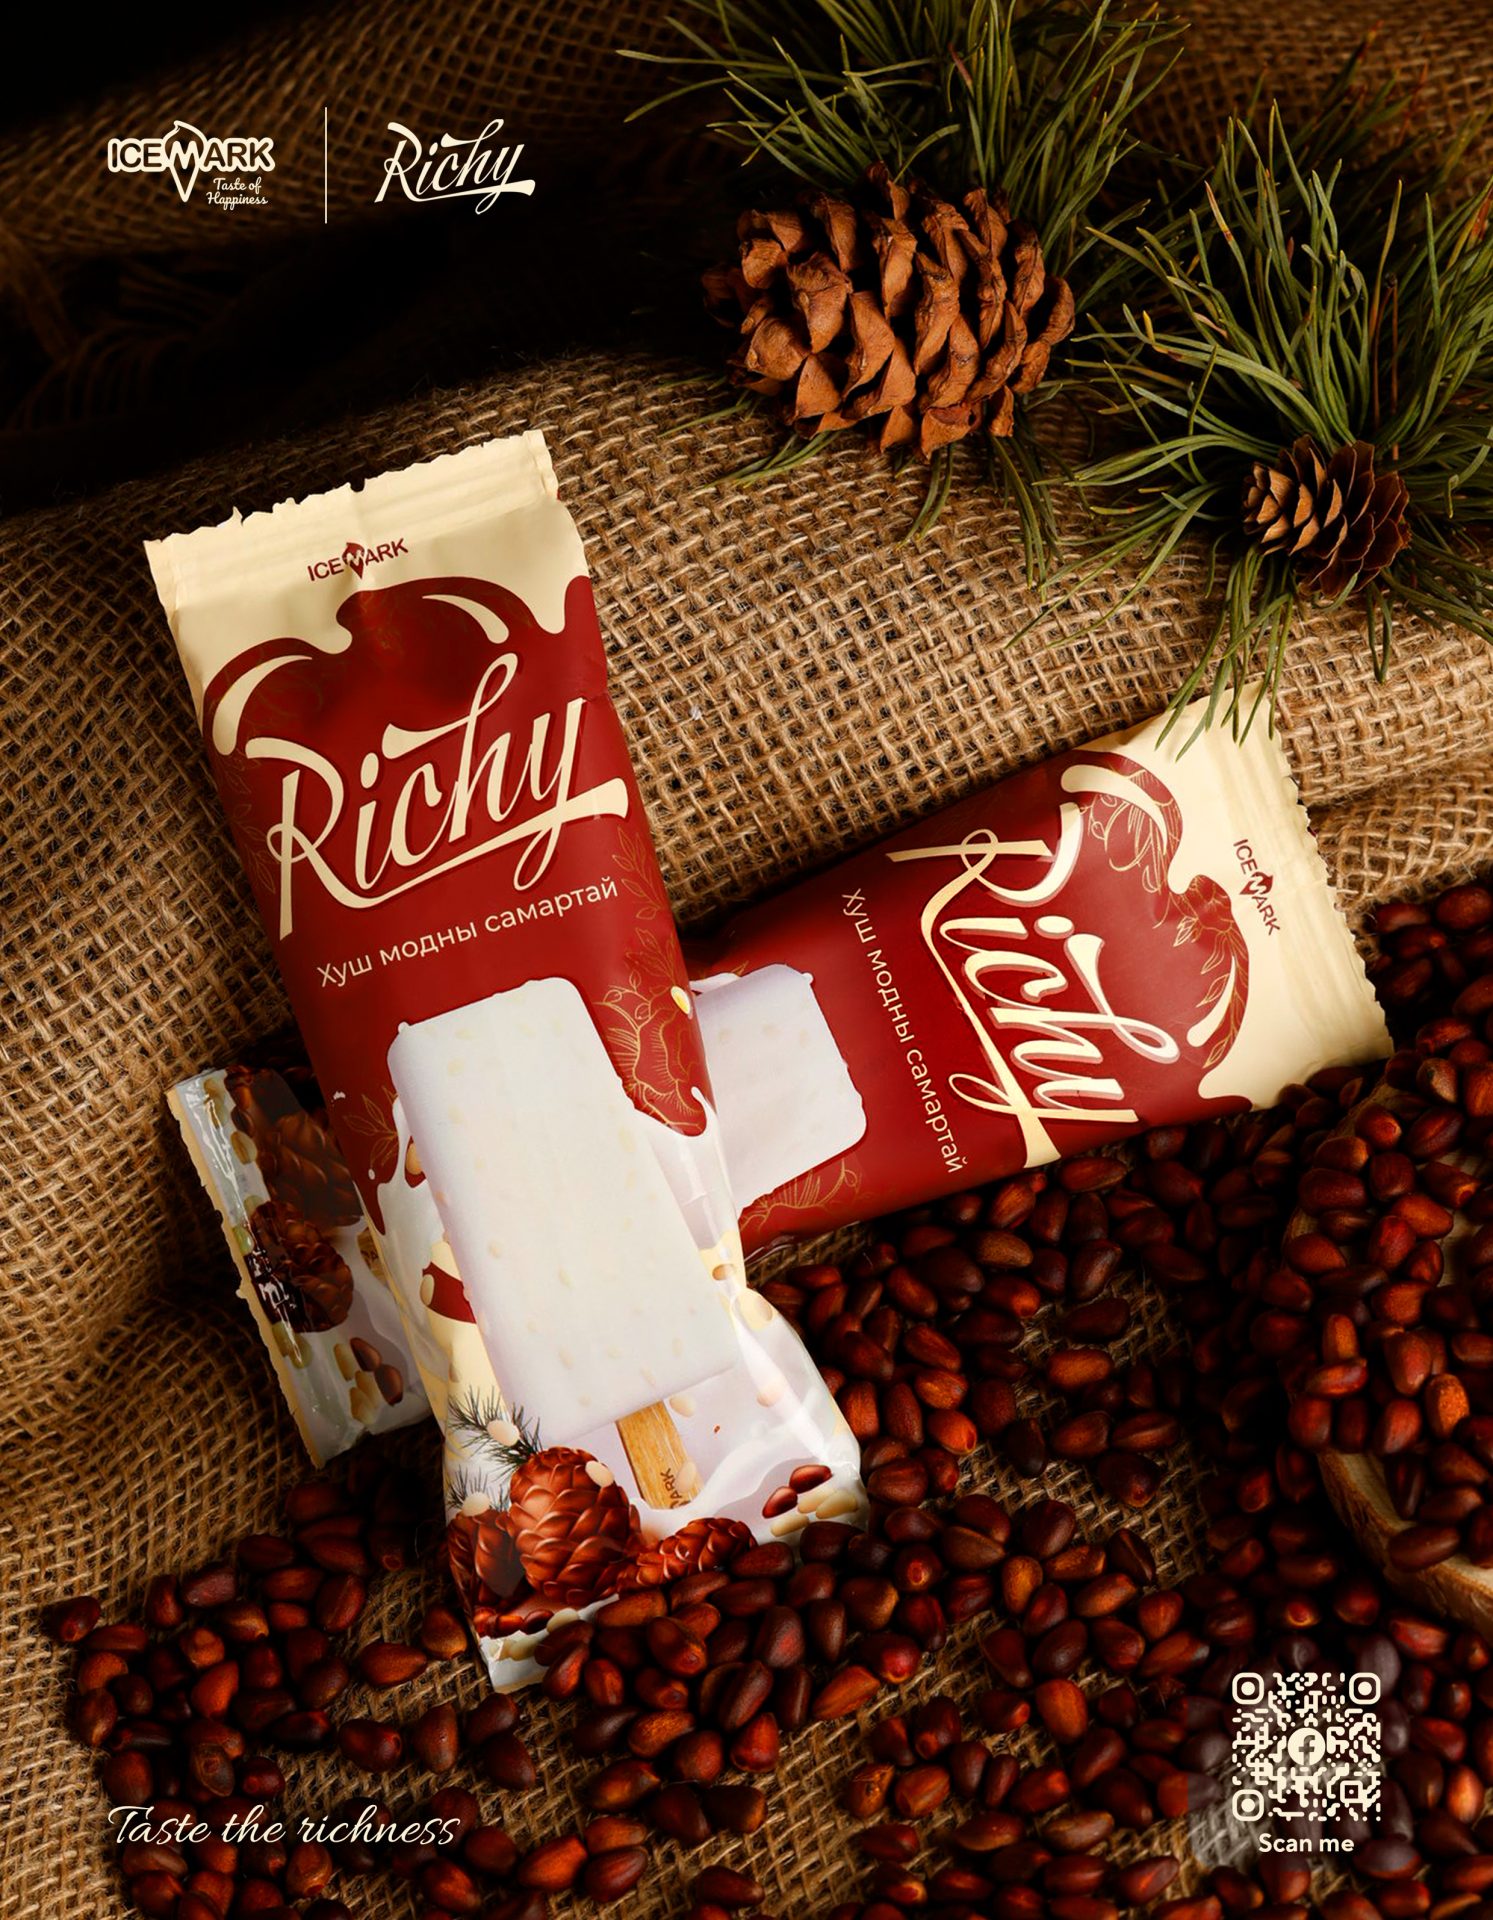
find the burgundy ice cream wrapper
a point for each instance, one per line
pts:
(403, 695)
(1132, 934)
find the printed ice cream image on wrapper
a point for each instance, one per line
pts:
(431, 796)
(593, 1302)
(792, 1103)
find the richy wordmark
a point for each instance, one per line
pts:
(481, 169)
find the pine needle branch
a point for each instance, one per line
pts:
(1036, 100)
(474, 1418)
(1307, 291)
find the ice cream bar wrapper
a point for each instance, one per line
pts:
(308, 1263)
(402, 689)
(1136, 933)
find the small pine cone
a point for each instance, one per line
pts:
(313, 1279)
(1335, 518)
(575, 1529)
(700, 1546)
(893, 309)
(300, 1162)
(488, 1574)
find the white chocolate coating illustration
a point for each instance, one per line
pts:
(591, 1296)
(786, 1100)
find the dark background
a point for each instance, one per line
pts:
(252, 338)
(67, 56)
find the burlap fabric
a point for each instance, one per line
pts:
(793, 681)
(792, 684)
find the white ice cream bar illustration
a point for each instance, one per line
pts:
(786, 1100)
(592, 1299)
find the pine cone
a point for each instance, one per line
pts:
(698, 1547)
(893, 309)
(574, 1527)
(298, 1159)
(488, 1574)
(312, 1273)
(1334, 518)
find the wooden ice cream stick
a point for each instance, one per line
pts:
(665, 1474)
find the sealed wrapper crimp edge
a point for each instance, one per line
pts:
(311, 1277)
(273, 550)
(402, 687)
(1126, 935)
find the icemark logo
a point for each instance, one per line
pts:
(354, 558)
(1257, 885)
(480, 169)
(185, 153)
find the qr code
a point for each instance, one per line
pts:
(1306, 1746)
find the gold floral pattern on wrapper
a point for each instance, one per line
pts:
(1207, 920)
(808, 1193)
(645, 1022)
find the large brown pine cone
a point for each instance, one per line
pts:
(314, 1283)
(575, 1529)
(1335, 518)
(891, 308)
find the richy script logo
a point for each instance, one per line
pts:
(1257, 885)
(1029, 983)
(186, 153)
(481, 169)
(1060, 1017)
(377, 808)
(354, 558)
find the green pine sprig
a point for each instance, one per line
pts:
(460, 1488)
(1034, 98)
(1375, 137)
(1285, 302)
(472, 1417)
